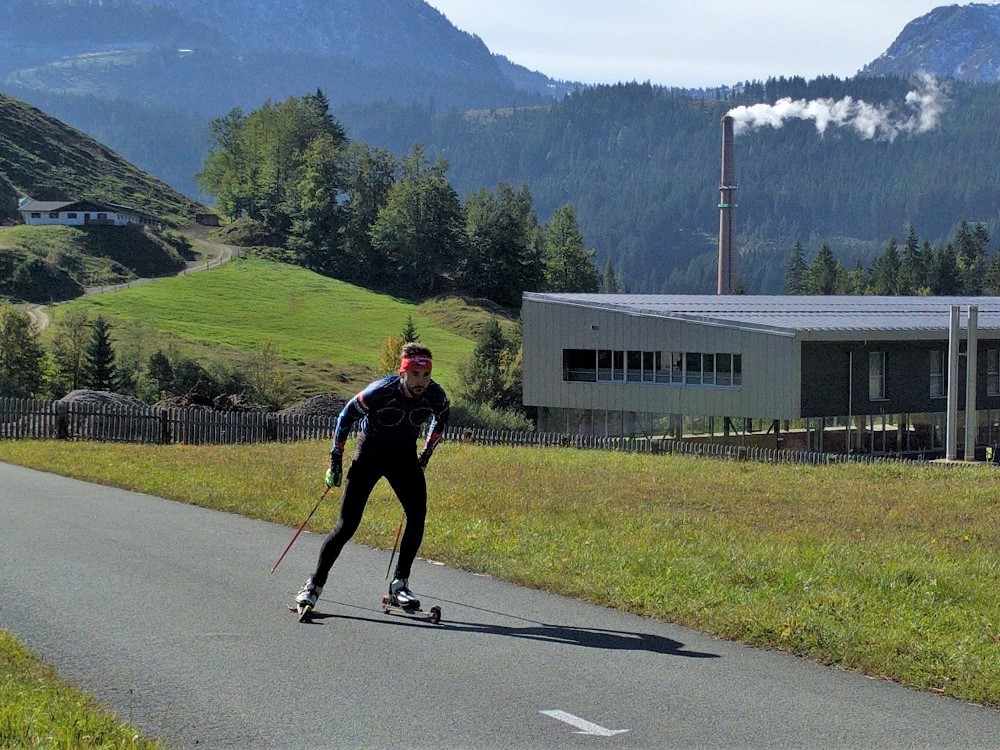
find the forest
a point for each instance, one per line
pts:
(357, 213)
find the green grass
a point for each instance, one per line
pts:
(314, 321)
(891, 571)
(40, 710)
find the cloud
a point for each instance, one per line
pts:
(926, 104)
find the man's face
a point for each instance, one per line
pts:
(415, 382)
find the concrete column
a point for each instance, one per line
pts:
(971, 354)
(951, 420)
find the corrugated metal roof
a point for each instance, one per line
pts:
(793, 314)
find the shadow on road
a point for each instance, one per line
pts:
(599, 638)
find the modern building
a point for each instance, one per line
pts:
(83, 213)
(817, 373)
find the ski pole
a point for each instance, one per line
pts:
(394, 545)
(299, 530)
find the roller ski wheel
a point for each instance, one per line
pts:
(304, 611)
(433, 615)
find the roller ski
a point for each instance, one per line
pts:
(402, 601)
(305, 600)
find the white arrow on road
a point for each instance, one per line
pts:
(585, 727)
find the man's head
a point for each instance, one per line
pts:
(415, 368)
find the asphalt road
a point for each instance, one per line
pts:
(168, 615)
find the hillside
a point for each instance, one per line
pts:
(46, 264)
(957, 41)
(46, 159)
(326, 332)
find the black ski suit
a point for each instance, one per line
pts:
(386, 447)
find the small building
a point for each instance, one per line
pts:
(865, 374)
(83, 213)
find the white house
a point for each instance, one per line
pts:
(83, 213)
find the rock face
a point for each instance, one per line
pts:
(956, 41)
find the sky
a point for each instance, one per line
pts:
(687, 44)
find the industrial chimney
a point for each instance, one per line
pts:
(727, 208)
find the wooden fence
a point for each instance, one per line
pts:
(30, 418)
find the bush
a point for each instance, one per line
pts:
(483, 416)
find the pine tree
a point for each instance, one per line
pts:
(796, 281)
(102, 374)
(609, 281)
(410, 331)
(481, 377)
(21, 354)
(568, 266)
(824, 272)
(885, 270)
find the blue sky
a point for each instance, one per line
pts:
(674, 43)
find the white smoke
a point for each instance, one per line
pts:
(926, 104)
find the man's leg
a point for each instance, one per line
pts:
(361, 479)
(408, 483)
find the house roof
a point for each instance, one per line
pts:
(821, 317)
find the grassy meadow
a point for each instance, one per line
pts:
(889, 570)
(326, 332)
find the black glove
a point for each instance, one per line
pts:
(425, 456)
(336, 470)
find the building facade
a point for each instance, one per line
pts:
(821, 373)
(83, 213)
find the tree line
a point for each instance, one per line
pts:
(960, 266)
(357, 213)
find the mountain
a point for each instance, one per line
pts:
(956, 41)
(207, 56)
(46, 159)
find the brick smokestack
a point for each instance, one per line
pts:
(727, 208)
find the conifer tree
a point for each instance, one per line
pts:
(796, 281)
(102, 374)
(568, 266)
(410, 331)
(824, 272)
(609, 281)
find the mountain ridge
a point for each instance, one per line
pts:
(954, 41)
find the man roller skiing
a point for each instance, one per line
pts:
(391, 412)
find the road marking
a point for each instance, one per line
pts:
(585, 727)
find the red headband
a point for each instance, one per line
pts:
(415, 362)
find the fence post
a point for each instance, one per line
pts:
(62, 420)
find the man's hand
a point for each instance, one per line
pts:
(336, 470)
(425, 457)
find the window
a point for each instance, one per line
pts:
(723, 369)
(662, 367)
(663, 360)
(937, 373)
(993, 372)
(53, 214)
(876, 376)
(35, 215)
(610, 365)
(634, 361)
(70, 216)
(649, 366)
(580, 364)
(708, 369)
(692, 368)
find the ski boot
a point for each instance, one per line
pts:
(306, 599)
(401, 596)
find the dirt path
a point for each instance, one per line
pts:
(213, 255)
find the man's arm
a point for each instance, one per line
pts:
(439, 423)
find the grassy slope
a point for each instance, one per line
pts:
(95, 255)
(37, 152)
(888, 570)
(312, 320)
(38, 709)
